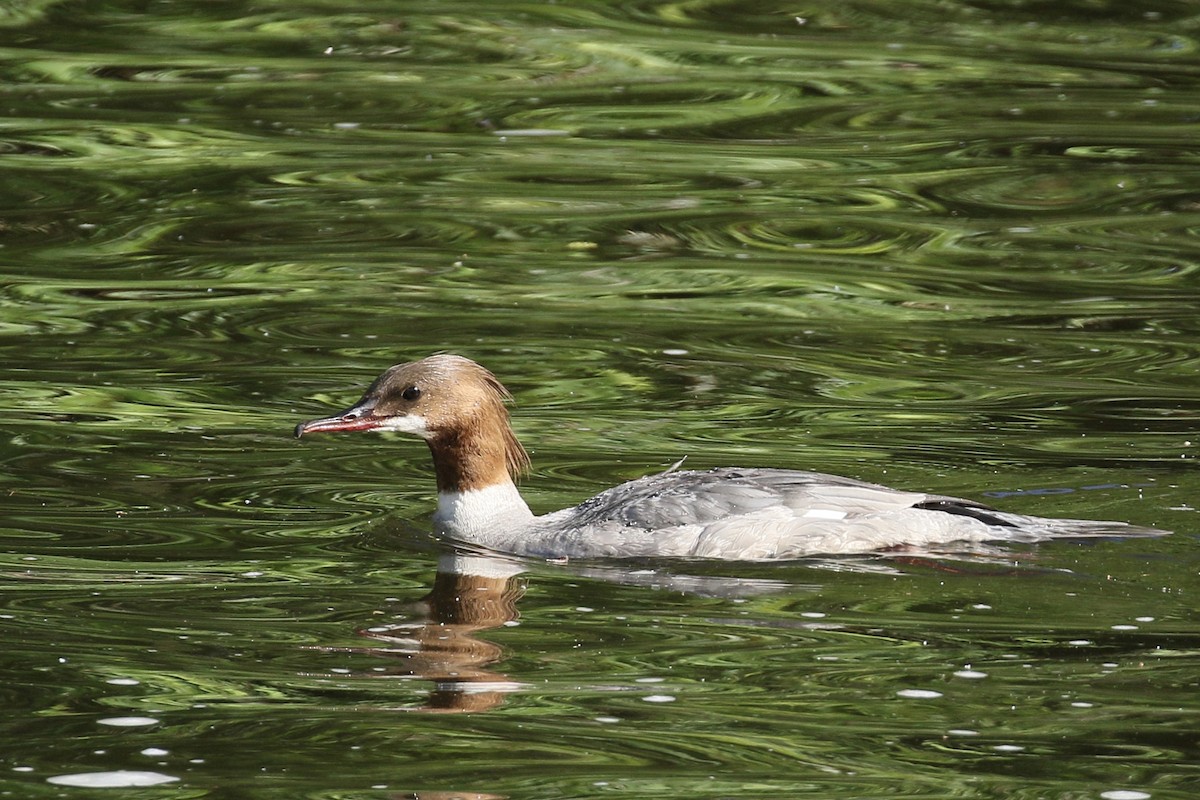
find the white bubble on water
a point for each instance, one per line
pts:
(127, 722)
(121, 778)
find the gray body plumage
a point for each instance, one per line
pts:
(766, 514)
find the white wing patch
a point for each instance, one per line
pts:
(823, 513)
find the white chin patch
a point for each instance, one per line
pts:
(409, 423)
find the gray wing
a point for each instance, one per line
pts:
(700, 498)
(758, 514)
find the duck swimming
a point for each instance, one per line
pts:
(458, 408)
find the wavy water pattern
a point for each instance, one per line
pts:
(948, 246)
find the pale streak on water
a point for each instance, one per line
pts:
(947, 246)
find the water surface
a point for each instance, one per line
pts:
(944, 246)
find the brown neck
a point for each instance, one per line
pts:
(463, 460)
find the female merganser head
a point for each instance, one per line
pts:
(453, 404)
(458, 408)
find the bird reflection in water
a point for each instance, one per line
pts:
(475, 591)
(469, 594)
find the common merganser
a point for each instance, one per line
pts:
(458, 408)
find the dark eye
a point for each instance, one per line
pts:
(411, 393)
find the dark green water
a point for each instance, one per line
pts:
(945, 246)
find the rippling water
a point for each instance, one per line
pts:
(945, 246)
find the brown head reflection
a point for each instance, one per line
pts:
(469, 594)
